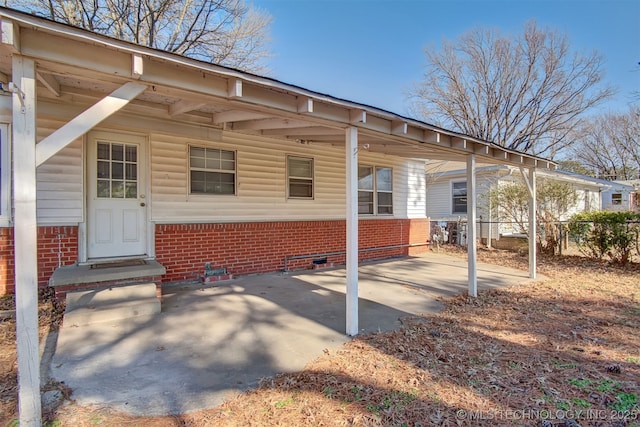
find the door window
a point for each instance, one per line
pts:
(117, 171)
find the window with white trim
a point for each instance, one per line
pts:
(5, 175)
(212, 171)
(616, 199)
(300, 177)
(459, 197)
(375, 190)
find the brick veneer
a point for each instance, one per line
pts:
(246, 248)
(56, 246)
(241, 248)
(6, 261)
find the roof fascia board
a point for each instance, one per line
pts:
(463, 172)
(573, 179)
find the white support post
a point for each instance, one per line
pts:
(351, 155)
(472, 246)
(533, 226)
(490, 222)
(26, 239)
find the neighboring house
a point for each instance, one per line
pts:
(173, 169)
(622, 196)
(447, 197)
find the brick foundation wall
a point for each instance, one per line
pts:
(247, 248)
(6, 261)
(55, 245)
(241, 248)
(419, 235)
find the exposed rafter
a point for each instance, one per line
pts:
(184, 106)
(264, 124)
(399, 127)
(237, 116)
(137, 66)
(305, 105)
(49, 81)
(302, 131)
(235, 88)
(357, 116)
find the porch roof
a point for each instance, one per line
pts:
(76, 68)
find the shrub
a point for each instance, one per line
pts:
(612, 234)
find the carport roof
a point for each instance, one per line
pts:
(76, 66)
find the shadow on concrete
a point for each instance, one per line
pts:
(212, 342)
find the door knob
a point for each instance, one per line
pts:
(143, 204)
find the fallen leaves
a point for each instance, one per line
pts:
(518, 356)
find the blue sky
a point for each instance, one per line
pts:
(371, 51)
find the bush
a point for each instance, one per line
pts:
(612, 234)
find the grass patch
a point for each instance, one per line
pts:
(580, 382)
(284, 403)
(625, 402)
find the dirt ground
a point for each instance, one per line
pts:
(563, 352)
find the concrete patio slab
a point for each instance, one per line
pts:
(212, 342)
(111, 304)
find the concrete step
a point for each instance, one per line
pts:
(116, 303)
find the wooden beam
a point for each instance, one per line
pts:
(307, 130)
(4, 78)
(183, 106)
(482, 149)
(26, 239)
(305, 105)
(87, 60)
(431, 137)
(357, 116)
(234, 88)
(399, 127)
(87, 120)
(50, 82)
(318, 138)
(459, 143)
(238, 116)
(137, 66)
(10, 34)
(269, 124)
(351, 154)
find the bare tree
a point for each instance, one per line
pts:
(523, 92)
(224, 32)
(609, 145)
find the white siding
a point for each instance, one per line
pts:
(5, 175)
(415, 194)
(440, 195)
(438, 204)
(261, 182)
(625, 200)
(60, 184)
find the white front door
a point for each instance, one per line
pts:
(116, 205)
